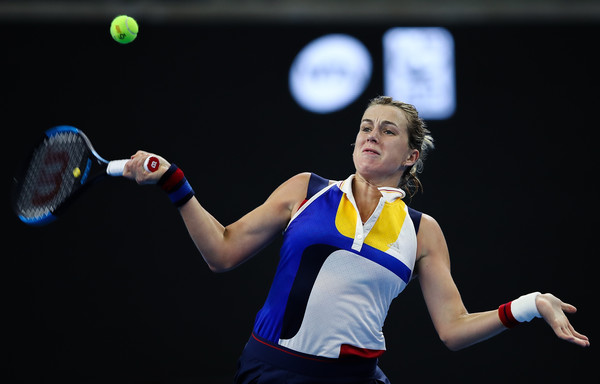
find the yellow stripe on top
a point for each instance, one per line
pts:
(388, 225)
(385, 231)
(346, 217)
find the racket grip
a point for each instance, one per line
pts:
(151, 164)
(115, 167)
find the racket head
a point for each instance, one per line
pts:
(57, 170)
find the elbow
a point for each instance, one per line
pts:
(452, 345)
(220, 264)
(219, 268)
(223, 260)
(216, 269)
(452, 342)
(218, 261)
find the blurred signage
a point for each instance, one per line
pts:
(332, 71)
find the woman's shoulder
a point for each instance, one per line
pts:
(311, 180)
(430, 231)
(423, 221)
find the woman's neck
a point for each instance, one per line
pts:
(366, 196)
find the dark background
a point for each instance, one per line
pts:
(115, 292)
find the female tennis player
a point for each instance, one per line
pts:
(349, 248)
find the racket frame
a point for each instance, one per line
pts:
(85, 180)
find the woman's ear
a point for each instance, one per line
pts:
(412, 158)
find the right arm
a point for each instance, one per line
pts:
(225, 247)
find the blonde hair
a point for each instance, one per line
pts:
(419, 138)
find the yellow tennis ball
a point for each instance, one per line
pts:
(124, 29)
(76, 172)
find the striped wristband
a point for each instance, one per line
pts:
(518, 311)
(176, 185)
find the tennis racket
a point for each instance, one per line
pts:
(59, 169)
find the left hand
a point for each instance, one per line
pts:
(553, 311)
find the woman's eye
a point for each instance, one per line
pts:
(366, 129)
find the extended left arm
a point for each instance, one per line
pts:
(457, 327)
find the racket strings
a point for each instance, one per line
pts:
(50, 178)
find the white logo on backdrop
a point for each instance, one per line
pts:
(329, 73)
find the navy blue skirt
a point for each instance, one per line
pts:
(262, 362)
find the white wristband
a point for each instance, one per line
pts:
(524, 308)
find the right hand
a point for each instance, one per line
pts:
(134, 168)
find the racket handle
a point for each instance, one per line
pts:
(151, 164)
(115, 167)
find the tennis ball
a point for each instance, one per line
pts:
(76, 172)
(124, 29)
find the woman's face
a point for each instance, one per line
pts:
(381, 152)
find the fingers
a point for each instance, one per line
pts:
(579, 336)
(553, 310)
(569, 334)
(564, 330)
(568, 308)
(564, 333)
(134, 169)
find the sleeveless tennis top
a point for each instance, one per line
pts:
(336, 276)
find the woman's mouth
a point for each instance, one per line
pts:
(370, 151)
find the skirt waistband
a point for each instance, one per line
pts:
(291, 360)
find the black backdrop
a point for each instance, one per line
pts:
(115, 291)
